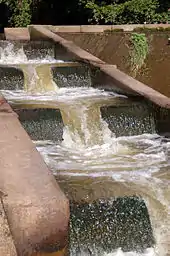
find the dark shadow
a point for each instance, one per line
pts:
(66, 13)
(4, 16)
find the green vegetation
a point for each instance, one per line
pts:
(128, 12)
(20, 12)
(138, 51)
(24, 12)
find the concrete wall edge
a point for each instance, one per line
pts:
(23, 33)
(37, 210)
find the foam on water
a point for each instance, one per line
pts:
(11, 55)
(138, 162)
(63, 94)
(119, 252)
(135, 153)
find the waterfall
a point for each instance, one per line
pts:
(38, 78)
(83, 125)
(11, 54)
(37, 74)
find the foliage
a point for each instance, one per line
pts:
(138, 51)
(21, 12)
(24, 12)
(127, 12)
(22, 15)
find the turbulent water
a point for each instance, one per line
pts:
(37, 72)
(149, 252)
(11, 55)
(137, 165)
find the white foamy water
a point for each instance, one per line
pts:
(133, 153)
(62, 95)
(119, 252)
(138, 163)
(10, 55)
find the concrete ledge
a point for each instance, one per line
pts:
(36, 208)
(23, 33)
(17, 34)
(102, 28)
(66, 29)
(92, 29)
(120, 79)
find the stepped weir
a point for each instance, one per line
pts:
(87, 171)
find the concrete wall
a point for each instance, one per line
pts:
(113, 48)
(36, 210)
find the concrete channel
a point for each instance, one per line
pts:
(34, 211)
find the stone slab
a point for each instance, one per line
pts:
(92, 29)
(37, 210)
(17, 34)
(102, 28)
(67, 29)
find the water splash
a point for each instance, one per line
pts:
(38, 78)
(83, 126)
(37, 72)
(80, 109)
(119, 252)
(138, 165)
(12, 55)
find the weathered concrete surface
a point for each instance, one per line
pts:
(23, 33)
(7, 247)
(37, 210)
(42, 33)
(119, 78)
(113, 48)
(125, 81)
(16, 34)
(102, 28)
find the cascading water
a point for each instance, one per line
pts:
(111, 167)
(37, 72)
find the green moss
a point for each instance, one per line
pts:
(138, 51)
